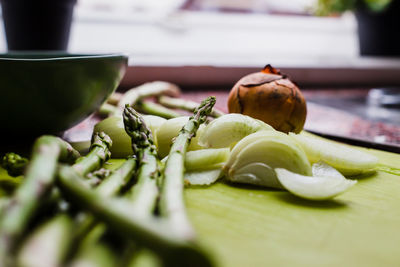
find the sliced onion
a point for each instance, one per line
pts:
(347, 160)
(229, 129)
(313, 188)
(205, 159)
(205, 177)
(254, 158)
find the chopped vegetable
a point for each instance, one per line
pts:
(347, 160)
(254, 158)
(206, 159)
(229, 129)
(205, 177)
(313, 188)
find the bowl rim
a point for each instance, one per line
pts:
(33, 56)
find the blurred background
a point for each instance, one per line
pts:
(235, 35)
(208, 45)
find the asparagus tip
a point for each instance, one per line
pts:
(102, 140)
(14, 164)
(137, 129)
(205, 108)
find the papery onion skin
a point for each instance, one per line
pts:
(271, 97)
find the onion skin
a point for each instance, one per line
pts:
(271, 97)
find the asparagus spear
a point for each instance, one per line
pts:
(144, 258)
(40, 175)
(98, 255)
(171, 199)
(109, 187)
(43, 247)
(14, 164)
(149, 232)
(141, 199)
(114, 98)
(152, 108)
(99, 152)
(101, 173)
(3, 203)
(108, 109)
(132, 96)
(112, 184)
(185, 104)
(136, 94)
(144, 194)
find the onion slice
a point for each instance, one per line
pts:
(349, 161)
(254, 158)
(229, 129)
(205, 177)
(314, 188)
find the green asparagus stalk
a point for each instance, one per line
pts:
(148, 232)
(144, 194)
(3, 203)
(156, 88)
(112, 184)
(171, 199)
(109, 187)
(97, 255)
(185, 104)
(114, 98)
(141, 199)
(14, 164)
(99, 153)
(144, 258)
(116, 103)
(107, 110)
(42, 248)
(101, 173)
(40, 175)
(152, 108)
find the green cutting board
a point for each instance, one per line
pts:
(250, 226)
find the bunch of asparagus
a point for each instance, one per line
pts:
(166, 104)
(69, 211)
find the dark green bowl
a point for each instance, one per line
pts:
(47, 93)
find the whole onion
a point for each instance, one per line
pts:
(271, 97)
